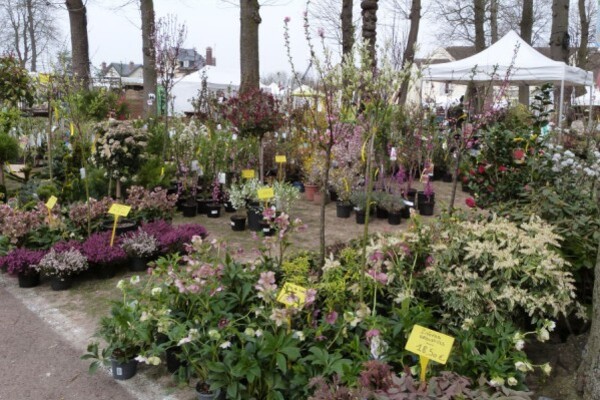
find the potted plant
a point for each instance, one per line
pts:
(426, 199)
(285, 196)
(141, 247)
(238, 200)
(103, 258)
(22, 262)
(393, 204)
(213, 209)
(359, 199)
(150, 205)
(378, 198)
(126, 335)
(62, 266)
(341, 186)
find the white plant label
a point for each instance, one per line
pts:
(222, 178)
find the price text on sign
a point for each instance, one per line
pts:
(265, 194)
(430, 344)
(120, 210)
(292, 295)
(51, 202)
(248, 173)
(280, 159)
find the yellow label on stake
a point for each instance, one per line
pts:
(51, 202)
(72, 129)
(162, 172)
(280, 159)
(430, 344)
(265, 194)
(120, 210)
(247, 173)
(292, 295)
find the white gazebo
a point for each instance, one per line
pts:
(511, 60)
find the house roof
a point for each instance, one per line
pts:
(124, 69)
(189, 55)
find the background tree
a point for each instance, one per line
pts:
(80, 49)
(411, 43)
(149, 55)
(347, 26)
(249, 57)
(559, 36)
(170, 36)
(369, 27)
(29, 30)
(526, 34)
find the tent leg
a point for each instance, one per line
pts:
(562, 96)
(589, 127)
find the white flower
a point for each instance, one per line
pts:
(214, 334)
(135, 279)
(156, 291)
(121, 284)
(550, 325)
(184, 341)
(299, 335)
(511, 381)
(153, 360)
(546, 368)
(496, 381)
(523, 366)
(519, 344)
(543, 335)
(249, 332)
(225, 345)
(467, 324)
(259, 332)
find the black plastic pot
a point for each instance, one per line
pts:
(189, 210)
(447, 177)
(138, 264)
(203, 205)
(411, 195)
(104, 271)
(213, 210)
(123, 371)
(360, 217)
(343, 209)
(238, 223)
(123, 226)
(64, 283)
(394, 218)
(426, 208)
(333, 196)
(229, 207)
(422, 198)
(29, 279)
(266, 229)
(203, 392)
(381, 213)
(254, 219)
(173, 361)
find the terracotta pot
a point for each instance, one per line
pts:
(309, 191)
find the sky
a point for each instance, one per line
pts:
(115, 35)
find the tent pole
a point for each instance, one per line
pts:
(562, 95)
(591, 105)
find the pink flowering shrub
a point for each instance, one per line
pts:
(15, 224)
(78, 214)
(149, 205)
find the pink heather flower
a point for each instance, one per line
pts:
(287, 20)
(331, 317)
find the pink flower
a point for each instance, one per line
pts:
(311, 296)
(321, 32)
(331, 317)
(470, 202)
(502, 168)
(287, 20)
(371, 334)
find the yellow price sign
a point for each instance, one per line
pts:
(292, 295)
(72, 128)
(51, 202)
(119, 210)
(265, 194)
(280, 159)
(430, 344)
(247, 173)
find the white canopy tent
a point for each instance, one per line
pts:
(217, 79)
(510, 59)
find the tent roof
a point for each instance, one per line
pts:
(510, 58)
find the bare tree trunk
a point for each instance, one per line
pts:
(559, 37)
(249, 61)
(584, 20)
(369, 27)
(494, 20)
(149, 56)
(409, 53)
(80, 51)
(589, 369)
(32, 35)
(526, 34)
(347, 26)
(476, 90)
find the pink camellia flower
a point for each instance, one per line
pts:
(519, 156)
(481, 169)
(331, 318)
(470, 202)
(502, 168)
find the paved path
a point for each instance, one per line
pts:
(36, 363)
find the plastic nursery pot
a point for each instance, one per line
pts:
(381, 213)
(360, 217)
(229, 207)
(203, 205)
(238, 223)
(189, 210)
(123, 371)
(394, 218)
(309, 191)
(61, 283)
(343, 209)
(266, 229)
(426, 208)
(213, 210)
(203, 392)
(254, 219)
(422, 198)
(138, 264)
(29, 279)
(104, 270)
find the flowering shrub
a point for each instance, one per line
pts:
(149, 205)
(254, 113)
(97, 249)
(21, 260)
(78, 213)
(140, 244)
(173, 238)
(16, 224)
(62, 264)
